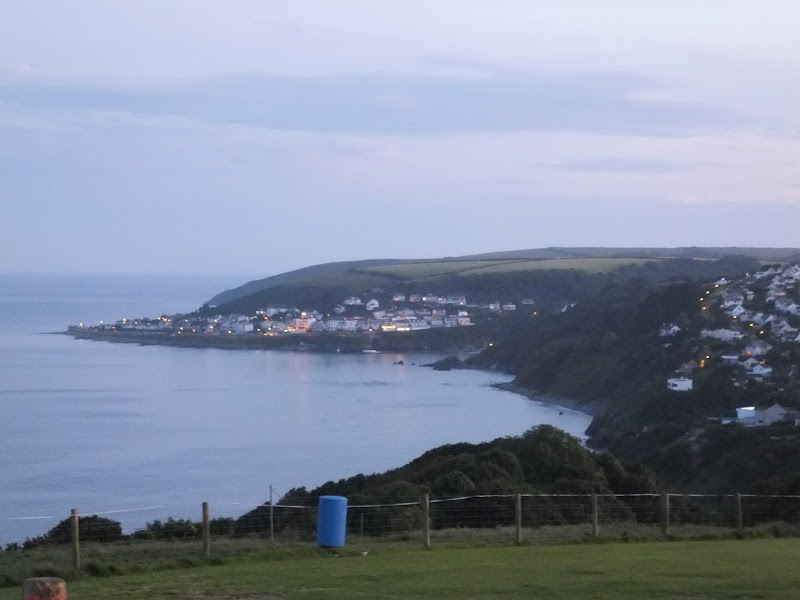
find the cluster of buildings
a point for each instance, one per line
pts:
(758, 310)
(414, 312)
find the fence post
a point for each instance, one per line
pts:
(739, 514)
(362, 523)
(271, 517)
(518, 518)
(665, 513)
(76, 539)
(426, 521)
(206, 531)
(595, 517)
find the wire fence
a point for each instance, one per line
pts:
(97, 545)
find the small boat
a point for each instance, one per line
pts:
(369, 351)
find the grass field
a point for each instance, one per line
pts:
(760, 568)
(589, 265)
(423, 270)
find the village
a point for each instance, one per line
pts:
(354, 314)
(752, 322)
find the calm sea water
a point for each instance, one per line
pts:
(142, 433)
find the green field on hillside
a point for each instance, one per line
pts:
(588, 265)
(760, 568)
(422, 270)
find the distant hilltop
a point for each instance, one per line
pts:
(377, 273)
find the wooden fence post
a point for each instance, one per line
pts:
(206, 531)
(595, 517)
(76, 539)
(271, 516)
(739, 513)
(518, 518)
(426, 521)
(665, 513)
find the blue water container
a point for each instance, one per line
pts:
(332, 521)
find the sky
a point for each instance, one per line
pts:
(163, 136)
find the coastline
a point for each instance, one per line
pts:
(422, 341)
(591, 409)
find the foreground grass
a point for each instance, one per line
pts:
(761, 568)
(148, 556)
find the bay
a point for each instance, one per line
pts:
(146, 432)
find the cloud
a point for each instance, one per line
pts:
(441, 128)
(502, 101)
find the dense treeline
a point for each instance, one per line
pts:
(94, 528)
(544, 460)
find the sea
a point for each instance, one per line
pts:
(139, 433)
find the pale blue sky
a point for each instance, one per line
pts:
(255, 137)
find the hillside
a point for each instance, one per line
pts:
(736, 343)
(363, 275)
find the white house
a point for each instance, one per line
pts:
(783, 331)
(726, 335)
(760, 416)
(334, 324)
(418, 324)
(352, 301)
(458, 299)
(680, 384)
(242, 327)
(757, 348)
(372, 304)
(760, 319)
(399, 298)
(509, 306)
(736, 311)
(451, 321)
(274, 326)
(792, 272)
(495, 306)
(761, 371)
(303, 323)
(402, 325)
(750, 363)
(669, 330)
(784, 305)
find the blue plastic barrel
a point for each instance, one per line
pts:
(332, 521)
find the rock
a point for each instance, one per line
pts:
(451, 362)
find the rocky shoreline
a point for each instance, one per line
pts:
(593, 409)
